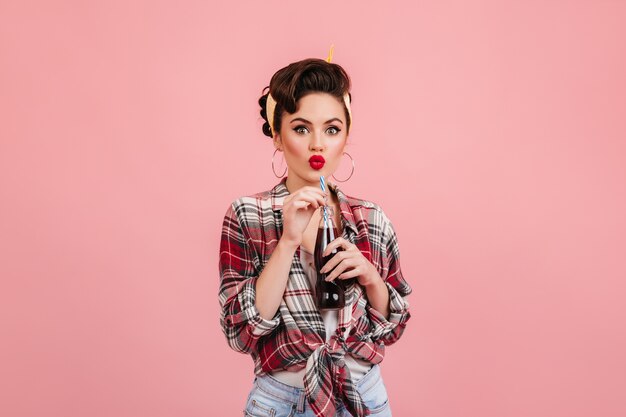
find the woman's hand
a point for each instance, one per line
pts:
(298, 208)
(349, 263)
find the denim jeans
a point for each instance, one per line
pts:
(270, 397)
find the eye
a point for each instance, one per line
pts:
(298, 129)
(301, 129)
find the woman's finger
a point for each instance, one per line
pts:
(334, 262)
(306, 195)
(307, 199)
(343, 266)
(351, 273)
(317, 193)
(337, 243)
(316, 196)
(300, 204)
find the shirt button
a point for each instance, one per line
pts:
(342, 329)
(228, 321)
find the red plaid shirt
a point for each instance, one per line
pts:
(295, 337)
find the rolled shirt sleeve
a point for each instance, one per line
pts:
(384, 330)
(240, 320)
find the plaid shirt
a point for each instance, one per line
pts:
(295, 337)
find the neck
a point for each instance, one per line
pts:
(294, 183)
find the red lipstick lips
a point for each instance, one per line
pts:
(317, 162)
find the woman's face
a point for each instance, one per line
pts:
(318, 127)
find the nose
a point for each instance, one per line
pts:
(317, 142)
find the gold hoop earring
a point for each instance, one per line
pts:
(274, 169)
(352, 172)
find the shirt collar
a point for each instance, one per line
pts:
(280, 191)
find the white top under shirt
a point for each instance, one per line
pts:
(358, 368)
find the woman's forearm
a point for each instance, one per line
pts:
(271, 284)
(378, 296)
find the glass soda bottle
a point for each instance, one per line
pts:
(329, 295)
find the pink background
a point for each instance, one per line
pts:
(491, 132)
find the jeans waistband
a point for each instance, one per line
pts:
(295, 395)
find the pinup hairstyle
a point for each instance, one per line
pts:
(296, 80)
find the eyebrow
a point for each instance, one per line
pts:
(306, 121)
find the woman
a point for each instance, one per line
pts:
(307, 362)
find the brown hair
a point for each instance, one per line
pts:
(297, 79)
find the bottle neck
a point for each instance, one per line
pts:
(329, 220)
